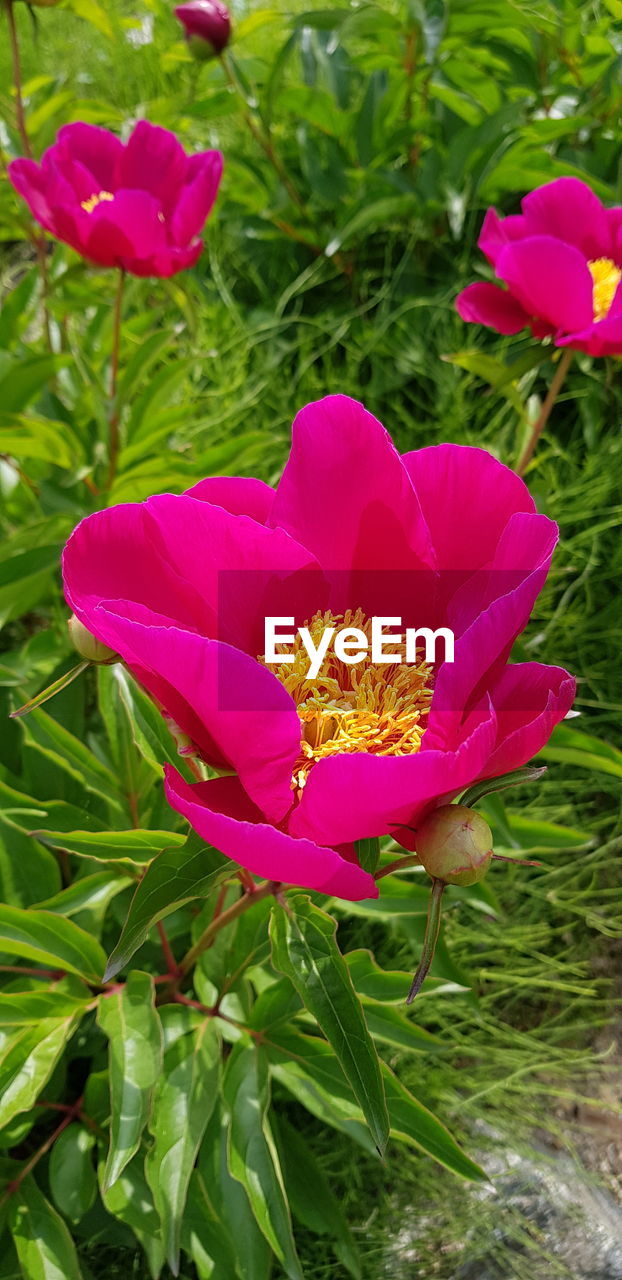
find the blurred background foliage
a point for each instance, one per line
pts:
(363, 144)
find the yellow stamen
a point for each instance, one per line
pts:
(378, 709)
(93, 201)
(606, 277)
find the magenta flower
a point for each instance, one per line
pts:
(140, 206)
(561, 263)
(180, 587)
(207, 25)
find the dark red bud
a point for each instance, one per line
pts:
(207, 24)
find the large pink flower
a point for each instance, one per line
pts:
(561, 263)
(180, 587)
(140, 206)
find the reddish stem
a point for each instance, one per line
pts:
(171, 963)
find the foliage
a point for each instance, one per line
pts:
(210, 1114)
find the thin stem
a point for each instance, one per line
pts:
(226, 917)
(17, 81)
(411, 860)
(432, 928)
(263, 139)
(171, 962)
(543, 416)
(113, 424)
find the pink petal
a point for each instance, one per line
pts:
(529, 700)
(29, 182)
(154, 161)
(603, 338)
(487, 304)
(245, 710)
(241, 495)
(223, 815)
(126, 227)
(96, 149)
(345, 495)
(197, 195)
(349, 797)
(165, 263)
(467, 498)
(568, 210)
(551, 280)
(496, 232)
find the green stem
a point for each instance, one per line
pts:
(226, 917)
(432, 928)
(411, 860)
(263, 138)
(114, 438)
(543, 416)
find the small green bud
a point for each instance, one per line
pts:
(85, 643)
(454, 844)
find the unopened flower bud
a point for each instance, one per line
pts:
(87, 646)
(454, 844)
(207, 25)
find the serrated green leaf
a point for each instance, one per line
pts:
(184, 1101)
(305, 950)
(130, 1020)
(251, 1152)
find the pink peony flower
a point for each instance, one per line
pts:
(561, 263)
(207, 24)
(140, 206)
(180, 587)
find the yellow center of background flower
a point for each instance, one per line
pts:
(381, 709)
(93, 201)
(606, 277)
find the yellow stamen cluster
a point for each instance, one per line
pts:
(606, 278)
(381, 709)
(93, 201)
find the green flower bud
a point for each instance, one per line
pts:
(87, 646)
(455, 845)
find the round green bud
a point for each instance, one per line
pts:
(454, 844)
(87, 646)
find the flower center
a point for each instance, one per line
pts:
(606, 278)
(380, 708)
(93, 201)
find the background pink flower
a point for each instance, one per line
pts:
(561, 263)
(179, 586)
(140, 206)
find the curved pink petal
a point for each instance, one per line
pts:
(153, 161)
(487, 304)
(166, 263)
(603, 338)
(529, 700)
(241, 495)
(467, 498)
(550, 279)
(350, 797)
(496, 232)
(126, 227)
(568, 210)
(250, 718)
(95, 148)
(223, 815)
(29, 182)
(345, 495)
(197, 195)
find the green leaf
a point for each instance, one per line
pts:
(310, 1196)
(305, 950)
(93, 13)
(28, 1059)
(73, 1182)
(130, 849)
(130, 1201)
(129, 1018)
(571, 746)
(22, 1008)
(489, 785)
(184, 1100)
(44, 1246)
(251, 1152)
(50, 940)
(411, 1122)
(178, 875)
(368, 853)
(25, 379)
(46, 736)
(29, 436)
